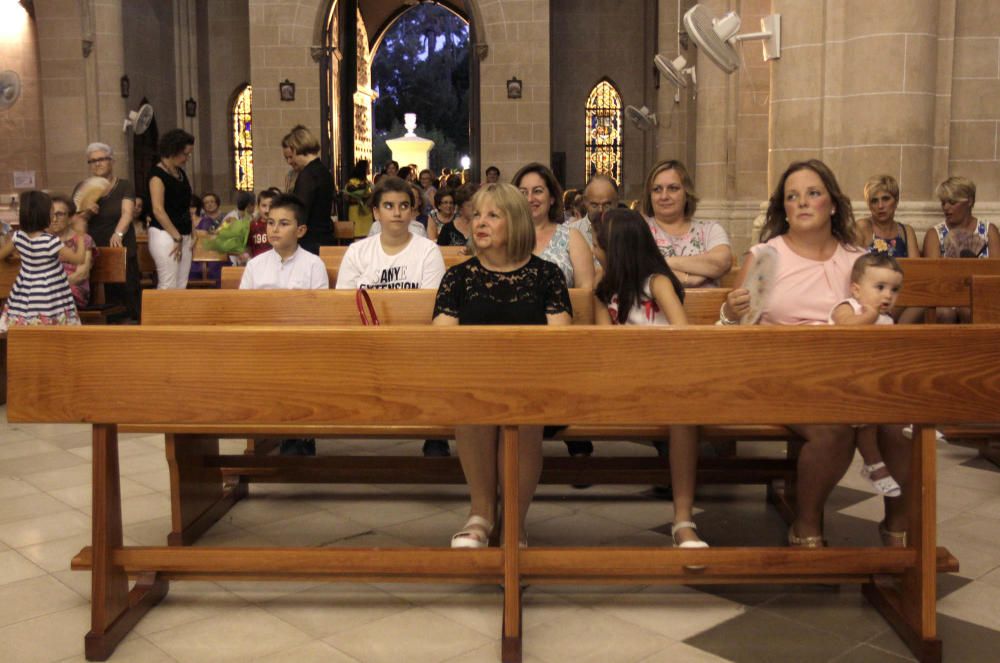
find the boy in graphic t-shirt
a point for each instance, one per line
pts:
(396, 258)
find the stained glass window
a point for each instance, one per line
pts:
(604, 132)
(243, 140)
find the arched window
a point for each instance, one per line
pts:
(243, 140)
(604, 132)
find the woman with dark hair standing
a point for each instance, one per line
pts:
(313, 186)
(811, 228)
(170, 228)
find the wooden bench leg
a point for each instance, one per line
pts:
(781, 492)
(114, 609)
(510, 647)
(912, 609)
(199, 496)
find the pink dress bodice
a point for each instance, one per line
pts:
(805, 291)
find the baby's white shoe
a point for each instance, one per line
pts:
(886, 485)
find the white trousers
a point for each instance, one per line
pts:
(171, 274)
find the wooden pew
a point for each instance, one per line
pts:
(793, 375)
(196, 508)
(147, 266)
(109, 267)
(985, 310)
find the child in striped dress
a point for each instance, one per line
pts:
(41, 294)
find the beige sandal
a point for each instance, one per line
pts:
(474, 534)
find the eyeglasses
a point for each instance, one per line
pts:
(60, 215)
(98, 160)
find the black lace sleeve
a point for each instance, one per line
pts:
(450, 292)
(554, 290)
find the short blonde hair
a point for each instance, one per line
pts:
(878, 183)
(300, 141)
(690, 197)
(957, 188)
(514, 206)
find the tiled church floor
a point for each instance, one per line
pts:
(44, 609)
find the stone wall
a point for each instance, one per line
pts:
(591, 41)
(515, 131)
(21, 144)
(224, 63)
(975, 102)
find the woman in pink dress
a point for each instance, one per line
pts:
(811, 227)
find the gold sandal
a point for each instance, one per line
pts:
(804, 541)
(891, 539)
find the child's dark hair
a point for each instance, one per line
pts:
(268, 194)
(391, 184)
(632, 258)
(34, 211)
(873, 260)
(290, 202)
(65, 200)
(244, 199)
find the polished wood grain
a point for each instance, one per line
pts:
(986, 299)
(674, 375)
(304, 307)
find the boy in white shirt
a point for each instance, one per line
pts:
(396, 258)
(288, 266)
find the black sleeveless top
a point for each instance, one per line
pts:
(176, 199)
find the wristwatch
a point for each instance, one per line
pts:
(120, 235)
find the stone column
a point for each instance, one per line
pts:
(858, 86)
(281, 37)
(515, 131)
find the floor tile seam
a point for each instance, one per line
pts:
(326, 641)
(812, 627)
(228, 611)
(871, 643)
(81, 601)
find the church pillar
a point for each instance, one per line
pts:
(860, 86)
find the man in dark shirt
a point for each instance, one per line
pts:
(313, 186)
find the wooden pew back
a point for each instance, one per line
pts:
(986, 299)
(337, 307)
(108, 267)
(304, 307)
(364, 376)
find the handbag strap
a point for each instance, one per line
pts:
(365, 308)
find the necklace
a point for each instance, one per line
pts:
(174, 171)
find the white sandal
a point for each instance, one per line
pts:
(685, 524)
(474, 534)
(886, 485)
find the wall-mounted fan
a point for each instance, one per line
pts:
(716, 37)
(139, 120)
(643, 118)
(674, 70)
(10, 88)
